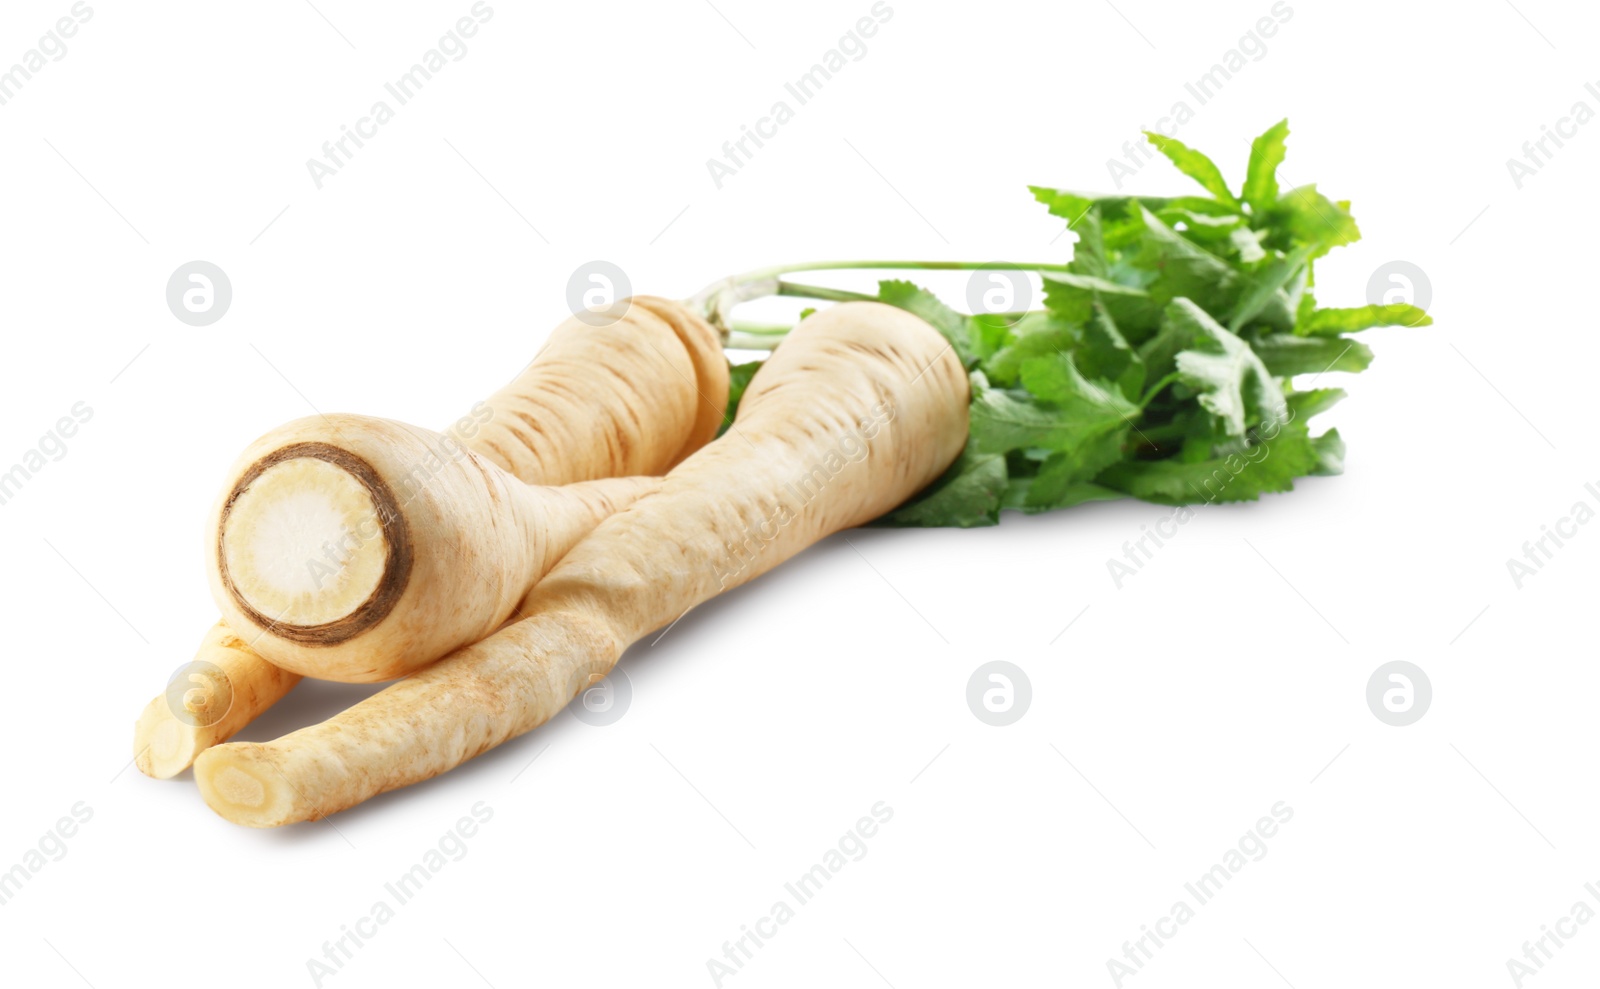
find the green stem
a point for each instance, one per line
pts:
(748, 341)
(759, 329)
(1015, 316)
(1168, 431)
(717, 300)
(1156, 388)
(777, 271)
(797, 290)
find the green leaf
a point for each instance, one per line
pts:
(1331, 322)
(1061, 410)
(739, 376)
(1229, 380)
(1280, 313)
(964, 338)
(1193, 164)
(1063, 479)
(1002, 420)
(1266, 286)
(1248, 244)
(990, 332)
(1286, 355)
(1305, 404)
(1306, 216)
(1020, 489)
(1160, 352)
(1056, 379)
(967, 495)
(1200, 226)
(1033, 336)
(1261, 177)
(1073, 297)
(1330, 453)
(1305, 306)
(1159, 365)
(1071, 206)
(1089, 252)
(1184, 269)
(1105, 354)
(1266, 467)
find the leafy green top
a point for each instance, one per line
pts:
(1160, 365)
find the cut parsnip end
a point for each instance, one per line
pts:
(627, 400)
(164, 746)
(239, 788)
(863, 406)
(243, 790)
(224, 688)
(302, 542)
(464, 545)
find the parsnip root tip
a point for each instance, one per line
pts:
(207, 700)
(163, 747)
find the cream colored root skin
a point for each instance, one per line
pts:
(597, 402)
(377, 547)
(167, 738)
(641, 568)
(629, 398)
(523, 675)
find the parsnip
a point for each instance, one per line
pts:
(630, 398)
(858, 410)
(224, 688)
(358, 549)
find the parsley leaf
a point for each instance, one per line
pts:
(1159, 367)
(967, 495)
(1226, 376)
(739, 376)
(1261, 177)
(1193, 164)
(1329, 322)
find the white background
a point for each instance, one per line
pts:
(1228, 675)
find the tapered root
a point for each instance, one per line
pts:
(223, 689)
(632, 398)
(859, 410)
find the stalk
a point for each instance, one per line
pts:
(746, 341)
(716, 301)
(799, 291)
